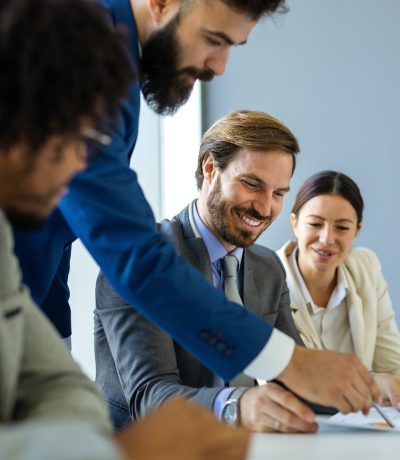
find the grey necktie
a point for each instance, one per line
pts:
(230, 266)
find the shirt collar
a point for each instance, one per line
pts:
(337, 296)
(214, 247)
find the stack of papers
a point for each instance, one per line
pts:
(372, 421)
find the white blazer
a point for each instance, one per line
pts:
(374, 331)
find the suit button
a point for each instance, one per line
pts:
(229, 352)
(205, 335)
(212, 341)
(221, 346)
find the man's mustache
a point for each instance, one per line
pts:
(203, 75)
(251, 212)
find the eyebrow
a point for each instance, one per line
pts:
(227, 39)
(337, 220)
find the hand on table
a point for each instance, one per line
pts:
(331, 379)
(272, 408)
(180, 430)
(389, 386)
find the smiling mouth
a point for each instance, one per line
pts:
(249, 221)
(324, 253)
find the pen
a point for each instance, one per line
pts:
(382, 414)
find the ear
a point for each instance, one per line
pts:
(209, 167)
(293, 222)
(162, 10)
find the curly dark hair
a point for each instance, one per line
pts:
(60, 62)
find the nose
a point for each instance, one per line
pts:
(217, 61)
(264, 205)
(327, 235)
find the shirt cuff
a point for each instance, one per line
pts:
(221, 399)
(272, 359)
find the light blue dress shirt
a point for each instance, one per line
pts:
(216, 252)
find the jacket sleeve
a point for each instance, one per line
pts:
(51, 385)
(41, 384)
(387, 349)
(145, 358)
(284, 321)
(106, 208)
(61, 440)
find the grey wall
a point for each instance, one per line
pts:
(331, 71)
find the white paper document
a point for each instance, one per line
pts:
(372, 421)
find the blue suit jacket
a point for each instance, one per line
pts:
(107, 210)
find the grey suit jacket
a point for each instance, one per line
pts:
(138, 366)
(41, 387)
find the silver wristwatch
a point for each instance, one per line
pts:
(230, 413)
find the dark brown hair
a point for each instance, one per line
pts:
(244, 129)
(330, 183)
(255, 9)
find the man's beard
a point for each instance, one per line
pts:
(26, 221)
(163, 84)
(218, 211)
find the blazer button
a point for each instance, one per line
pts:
(229, 352)
(205, 335)
(212, 341)
(221, 346)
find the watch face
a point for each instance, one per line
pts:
(229, 413)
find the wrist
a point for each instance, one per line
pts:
(293, 368)
(230, 414)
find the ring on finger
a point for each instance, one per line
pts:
(277, 425)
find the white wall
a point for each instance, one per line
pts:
(165, 160)
(83, 273)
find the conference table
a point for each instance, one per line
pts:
(330, 443)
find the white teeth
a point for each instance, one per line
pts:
(324, 253)
(253, 223)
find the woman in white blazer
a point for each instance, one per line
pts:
(339, 298)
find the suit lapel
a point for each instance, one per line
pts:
(356, 317)
(301, 316)
(193, 248)
(251, 291)
(195, 251)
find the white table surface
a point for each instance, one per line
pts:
(330, 443)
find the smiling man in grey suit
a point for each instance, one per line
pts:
(244, 169)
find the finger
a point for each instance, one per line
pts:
(288, 400)
(393, 393)
(358, 393)
(342, 405)
(289, 425)
(371, 384)
(280, 418)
